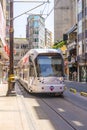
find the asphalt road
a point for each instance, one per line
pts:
(45, 112)
(80, 87)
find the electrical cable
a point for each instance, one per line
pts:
(28, 11)
(48, 9)
(52, 9)
(44, 9)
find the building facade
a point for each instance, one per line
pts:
(71, 57)
(35, 31)
(82, 40)
(21, 47)
(3, 52)
(7, 20)
(48, 38)
(64, 17)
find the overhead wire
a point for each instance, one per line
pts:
(44, 9)
(29, 10)
(52, 8)
(48, 9)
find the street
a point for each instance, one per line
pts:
(43, 65)
(79, 86)
(68, 112)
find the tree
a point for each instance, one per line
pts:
(58, 44)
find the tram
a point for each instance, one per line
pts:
(42, 71)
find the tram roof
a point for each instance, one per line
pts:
(35, 52)
(38, 51)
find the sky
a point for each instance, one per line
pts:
(22, 7)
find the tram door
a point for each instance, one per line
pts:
(31, 73)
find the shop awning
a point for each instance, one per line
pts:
(72, 29)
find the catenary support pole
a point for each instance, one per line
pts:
(11, 64)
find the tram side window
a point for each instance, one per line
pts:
(32, 73)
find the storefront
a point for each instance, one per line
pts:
(83, 73)
(72, 64)
(73, 72)
(82, 68)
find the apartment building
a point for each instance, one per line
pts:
(7, 19)
(77, 44)
(64, 17)
(71, 57)
(3, 53)
(48, 38)
(82, 40)
(21, 47)
(35, 31)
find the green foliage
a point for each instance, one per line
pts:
(59, 44)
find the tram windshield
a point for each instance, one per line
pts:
(49, 65)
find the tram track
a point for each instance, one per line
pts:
(77, 96)
(69, 100)
(50, 108)
(75, 104)
(60, 115)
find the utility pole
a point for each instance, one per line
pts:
(11, 64)
(11, 31)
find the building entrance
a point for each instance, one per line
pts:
(83, 73)
(73, 73)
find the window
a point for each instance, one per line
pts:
(31, 68)
(50, 66)
(80, 16)
(36, 17)
(36, 31)
(17, 54)
(36, 24)
(32, 71)
(36, 40)
(17, 46)
(80, 37)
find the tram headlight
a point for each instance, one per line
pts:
(61, 78)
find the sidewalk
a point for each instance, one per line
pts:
(3, 89)
(79, 86)
(11, 111)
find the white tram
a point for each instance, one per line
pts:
(42, 71)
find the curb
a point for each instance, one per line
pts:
(83, 94)
(73, 90)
